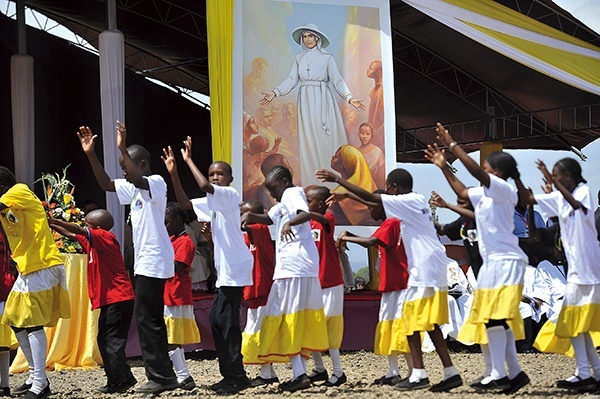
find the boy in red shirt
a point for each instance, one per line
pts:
(322, 226)
(110, 289)
(393, 278)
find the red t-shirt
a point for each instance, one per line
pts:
(263, 252)
(108, 281)
(330, 270)
(178, 289)
(393, 265)
(7, 279)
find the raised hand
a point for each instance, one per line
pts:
(547, 186)
(121, 136)
(548, 179)
(341, 243)
(336, 197)
(443, 135)
(268, 96)
(287, 234)
(86, 138)
(436, 156)
(169, 159)
(438, 201)
(186, 151)
(326, 175)
(358, 104)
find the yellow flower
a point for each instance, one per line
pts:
(67, 198)
(71, 248)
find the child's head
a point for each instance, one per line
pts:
(365, 133)
(220, 173)
(175, 218)
(258, 144)
(7, 179)
(277, 181)
(253, 206)
(376, 210)
(141, 159)
(99, 218)
(399, 181)
(274, 160)
(567, 171)
(501, 164)
(316, 196)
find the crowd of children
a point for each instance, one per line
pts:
(294, 290)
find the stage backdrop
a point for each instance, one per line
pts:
(308, 93)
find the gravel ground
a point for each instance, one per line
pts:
(360, 367)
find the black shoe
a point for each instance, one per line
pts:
(220, 384)
(4, 391)
(188, 384)
(259, 381)
(301, 382)
(447, 384)
(406, 385)
(587, 385)
(118, 388)
(393, 380)
(42, 395)
(22, 389)
(315, 376)
(335, 381)
(155, 387)
(232, 389)
(517, 383)
(494, 385)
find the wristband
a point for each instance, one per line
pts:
(452, 145)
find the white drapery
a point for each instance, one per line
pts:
(23, 117)
(112, 98)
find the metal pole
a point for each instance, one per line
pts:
(111, 11)
(21, 27)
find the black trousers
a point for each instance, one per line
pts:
(113, 328)
(149, 315)
(225, 325)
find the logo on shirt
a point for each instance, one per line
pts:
(252, 247)
(138, 205)
(316, 234)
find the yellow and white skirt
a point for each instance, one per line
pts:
(181, 325)
(294, 320)
(37, 299)
(497, 297)
(424, 307)
(389, 334)
(580, 313)
(250, 336)
(7, 335)
(333, 307)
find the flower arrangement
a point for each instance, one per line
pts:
(59, 203)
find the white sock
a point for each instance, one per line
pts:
(273, 374)
(266, 371)
(4, 366)
(497, 344)
(178, 359)
(393, 362)
(583, 369)
(23, 340)
(409, 363)
(39, 344)
(512, 361)
(449, 372)
(337, 362)
(592, 355)
(318, 361)
(487, 359)
(298, 366)
(417, 375)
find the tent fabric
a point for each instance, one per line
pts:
(527, 41)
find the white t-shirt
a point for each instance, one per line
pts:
(427, 261)
(233, 260)
(494, 213)
(152, 246)
(578, 233)
(298, 257)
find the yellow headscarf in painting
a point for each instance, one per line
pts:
(358, 173)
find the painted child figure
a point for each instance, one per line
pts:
(294, 322)
(179, 303)
(233, 260)
(258, 239)
(390, 339)
(110, 290)
(322, 225)
(426, 304)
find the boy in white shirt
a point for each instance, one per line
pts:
(233, 261)
(146, 193)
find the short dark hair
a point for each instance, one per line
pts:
(176, 211)
(7, 178)
(138, 153)
(572, 166)
(401, 178)
(321, 192)
(226, 165)
(255, 206)
(505, 163)
(279, 173)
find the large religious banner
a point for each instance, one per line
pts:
(313, 88)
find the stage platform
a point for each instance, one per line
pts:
(361, 312)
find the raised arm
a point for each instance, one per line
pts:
(441, 203)
(133, 173)
(201, 180)
(346, 236)
(169, 160)
(336, 197)
(559, 186)
(445, 139)
(316, 216)
(327, 175)
(67, 229)
(251, 218)
(438, 157)
(88, 142)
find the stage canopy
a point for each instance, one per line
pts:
(449, 65)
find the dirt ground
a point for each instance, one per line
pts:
(360, 367)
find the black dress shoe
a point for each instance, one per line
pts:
(580, 385)
(118, 388)
(336, 381)
(188, 384)
(42, 395)
(447, 384)
(232, 389)
(517, 383)
(315, 376)
(22, 389)
(301, 382)
(493, 385)
(393, 380)
(406, 385)
(4, 391)
(259, 381)
(155, 387)
(216, 386)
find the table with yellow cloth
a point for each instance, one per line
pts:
(72, 343)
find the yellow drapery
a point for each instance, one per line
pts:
(72, 343)
(219, 21)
